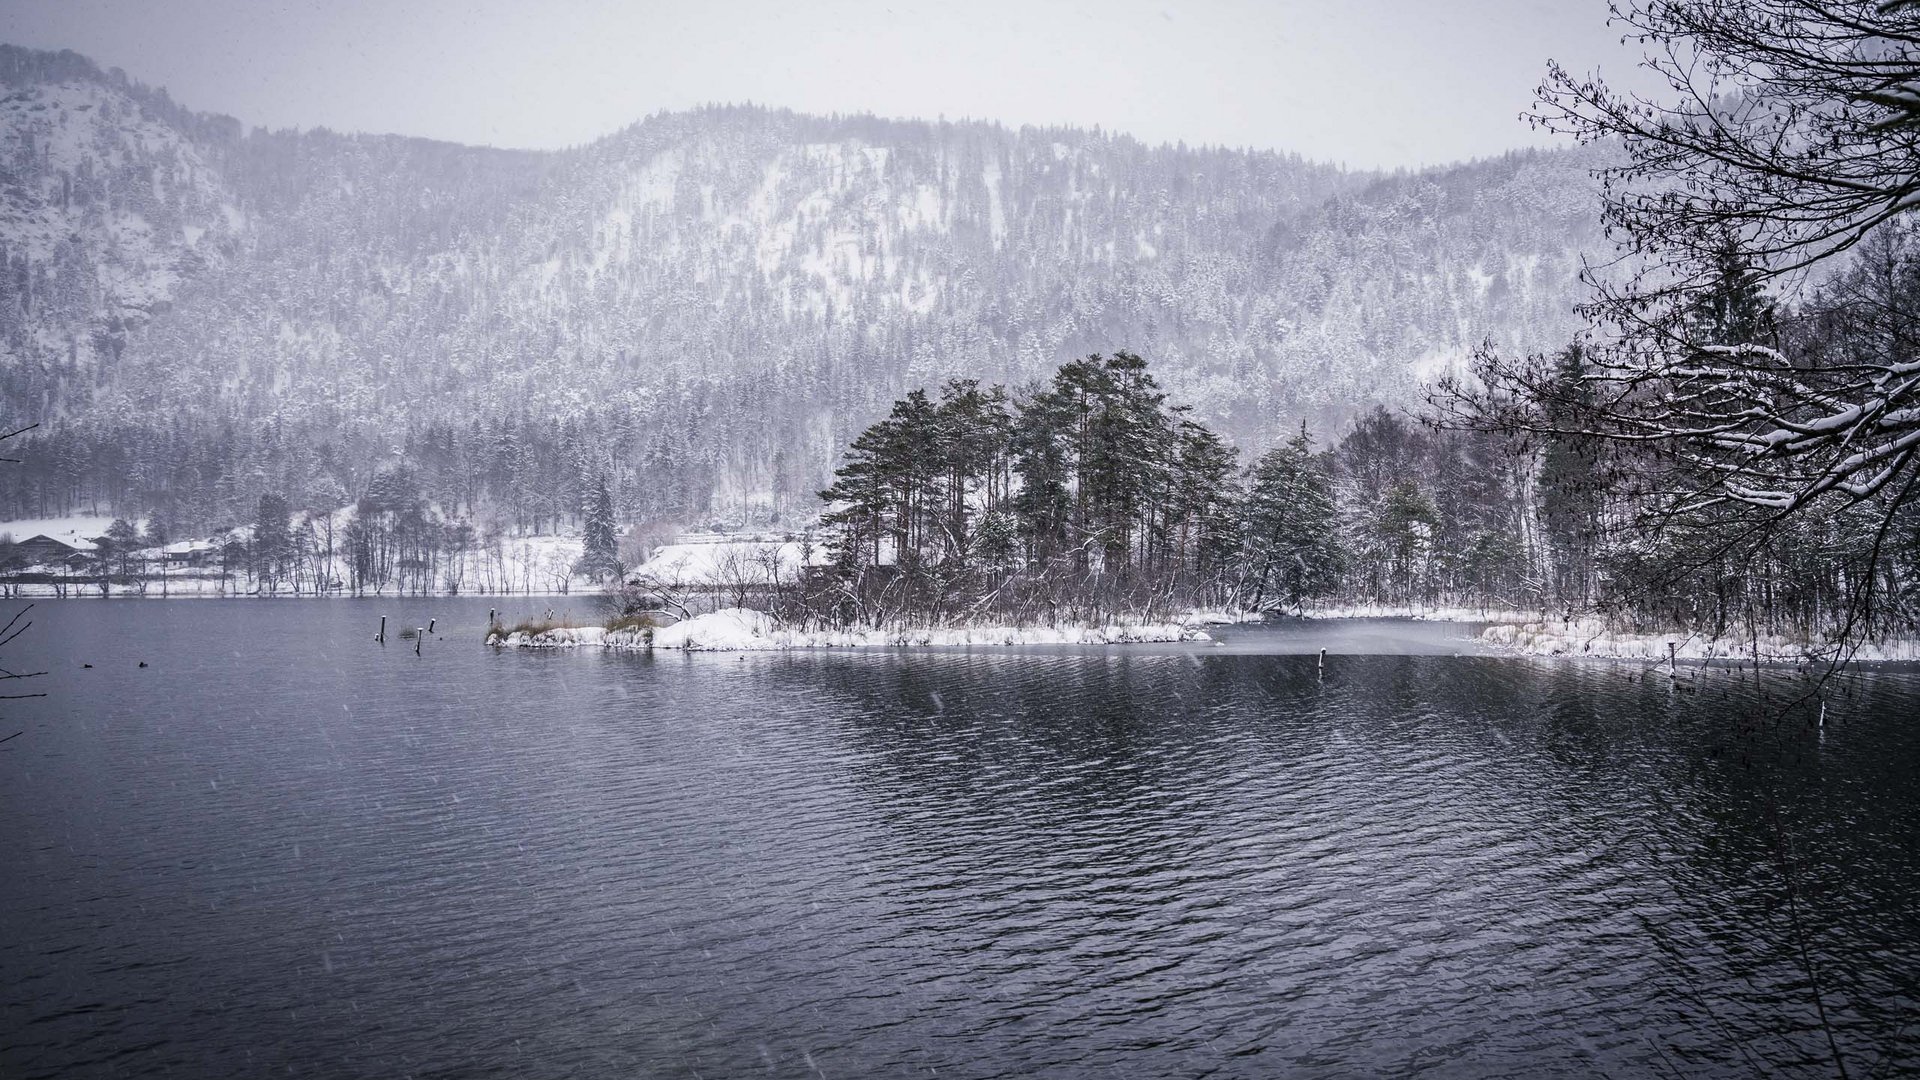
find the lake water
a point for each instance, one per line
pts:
(284, 849)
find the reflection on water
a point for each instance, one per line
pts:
(281, 846)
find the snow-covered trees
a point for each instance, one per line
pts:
(1788, 127)
(1099, 445)
(273, 546)
(1568, 486)
(1790, 135)
(1290, 547)
(1089, 495)
(600, 554)
(923, 493)
(392, 538)
(1090, 491)
(1201, 533)
(118, 549)
(1751, 386)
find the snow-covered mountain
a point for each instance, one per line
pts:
(708, 304)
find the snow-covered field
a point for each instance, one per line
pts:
(723, 561)
(76, 527)
(742, 629)
(528, 565)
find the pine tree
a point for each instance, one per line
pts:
(995, 542)
(1042, 506)
(1480, 537)
(272, 540)
(1568, 488)
(1733, 308)
(1093, 449)
(1201, 530)
(600, 557)
(1291, 544)
(1402, 528)
(860, 498)
(120, 542)
(1089, 493)
(972, 429)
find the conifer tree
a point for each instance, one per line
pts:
(272, 540)
(1202, 530)
(1291, 542)
(1568, 488)
(117, 547)
(600, 554)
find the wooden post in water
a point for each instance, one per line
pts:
(419, 635)
(493, 617)
(381, 637)
(1673, 665)
(1323, 663)
(430, 623)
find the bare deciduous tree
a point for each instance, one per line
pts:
(15, 626)
(1791, 126)
(1789, 135)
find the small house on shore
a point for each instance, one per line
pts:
(44, 550)
(190, 553)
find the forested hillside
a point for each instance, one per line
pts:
(706, 307)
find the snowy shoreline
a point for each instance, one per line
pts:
(1420, 613)
(1523, 633)
(1546, 634)
(1589, 636)
(745, 630)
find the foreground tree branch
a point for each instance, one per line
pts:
(1789, 126)
(1753, 375)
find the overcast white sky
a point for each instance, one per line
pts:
(1365, 82)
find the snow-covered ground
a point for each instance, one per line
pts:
(723, 561)
(742, 629)
(529, 565)
(1539, 633)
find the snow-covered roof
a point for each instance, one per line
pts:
(77, 543)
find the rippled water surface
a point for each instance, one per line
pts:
(281, 848)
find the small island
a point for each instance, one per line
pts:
(1085, 510)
